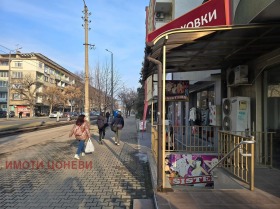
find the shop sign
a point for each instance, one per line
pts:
(211, 13)
(24, 109)
(177, 90)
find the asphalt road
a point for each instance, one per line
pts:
(24, 123)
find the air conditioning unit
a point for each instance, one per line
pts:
(159, 15)
(238, 75)
(241, 74)
(236, 114)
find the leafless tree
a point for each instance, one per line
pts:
(52, 96)
(27, 87)
(72, 94)
(101, 81)
(128, 97)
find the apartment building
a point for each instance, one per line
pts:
(40, 68)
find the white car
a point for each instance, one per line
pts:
(54, 114)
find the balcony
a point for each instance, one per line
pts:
(3, 99)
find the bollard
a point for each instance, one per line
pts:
(57, 117)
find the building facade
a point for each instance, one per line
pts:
(41, 69)
(259, 81)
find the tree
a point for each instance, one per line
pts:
(27, 88)
(72, 94)
(102, 83)
(139, 103)
(128, 98)
(52, 96)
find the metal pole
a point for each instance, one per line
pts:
(112, 84)
(86, 63)
(160, 128)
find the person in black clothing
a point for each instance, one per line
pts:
(107, 116)
(118, 124)
(101, 123)
(20, 114)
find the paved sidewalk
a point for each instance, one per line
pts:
(47, 176)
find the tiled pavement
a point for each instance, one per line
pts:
(118, 175)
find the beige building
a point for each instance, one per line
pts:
(41, 69)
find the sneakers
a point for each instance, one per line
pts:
(83, 154)
(77, 157)
(118, 144)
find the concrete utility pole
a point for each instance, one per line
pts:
(112, 84)
(85, 25)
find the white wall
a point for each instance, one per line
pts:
(182, 7)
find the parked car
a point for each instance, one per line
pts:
(3, 114)
(72, 115)
(54, 114)
(12, 114)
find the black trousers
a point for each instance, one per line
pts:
(101, 133)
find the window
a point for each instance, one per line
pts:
(16, 86)
(4, 63)
(17, 75)
(47, 69)
(18, 64)
(4, 74)
(3, 83)
(3, 95)
(40, 65)
(52, 71)
(46, 79)
(16, 97)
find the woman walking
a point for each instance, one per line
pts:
(81, 132)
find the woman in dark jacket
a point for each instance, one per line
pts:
(117, 125)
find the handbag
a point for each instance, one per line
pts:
(114, 128)
(89, 147)
(119, 126)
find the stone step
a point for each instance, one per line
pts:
(143, 204)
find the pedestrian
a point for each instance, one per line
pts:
(81, 132)
(107, 116)
(101, 121)
(20, 114)
(117, 125)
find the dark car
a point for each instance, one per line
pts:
(3, 114)
(12, 114)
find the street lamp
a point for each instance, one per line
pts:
(112, 88)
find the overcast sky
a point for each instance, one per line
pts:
(54, 29)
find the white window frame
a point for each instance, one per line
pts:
(18, 64)
(17, 96)
(17, 75)
(3, 83)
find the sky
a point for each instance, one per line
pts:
(54, 29)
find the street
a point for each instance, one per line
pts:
(38, 171)
(25, 122)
